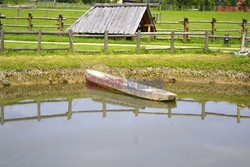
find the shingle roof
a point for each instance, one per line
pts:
(116, 18)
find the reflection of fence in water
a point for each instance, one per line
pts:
(135, 109)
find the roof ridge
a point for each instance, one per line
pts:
(120, 4)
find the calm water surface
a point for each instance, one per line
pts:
(78, 127)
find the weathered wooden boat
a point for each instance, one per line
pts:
(126, 100)
(126, 86)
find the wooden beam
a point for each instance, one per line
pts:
(169, 112)
(2, 114)
(203, 110)
(104, 109)
(185, 37)
(30, 22)
(86, 51)
(39, 42)
(138, 46)
(39, 110)
(172, 42)
(238, 114)
(60, 22)
(206, 41)
(2, 40)
(136, 111)
(71, 47)
(69, 113)
(243, 40)
(244, 25)
(106, 41)
(213, 28)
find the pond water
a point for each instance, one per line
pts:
(69, 125)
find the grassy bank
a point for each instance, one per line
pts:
(195, 61)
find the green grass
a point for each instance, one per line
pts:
(196, 61)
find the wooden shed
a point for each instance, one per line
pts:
(116, 19)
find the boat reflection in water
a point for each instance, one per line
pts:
(125, 103)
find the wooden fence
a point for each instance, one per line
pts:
(134, 108)
(60, 22)
(158, 17)
(106, 36)
(39, 42)
(213, 23)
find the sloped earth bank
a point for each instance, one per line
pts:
(172, 75)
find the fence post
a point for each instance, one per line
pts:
(60, 20)
(238, 113)
(185, 37)
(244, 25)
(172, 42)
(18, 12)
(104, 108)
(106, 41)
(1, 24)
(30, 22)
(203, 110)
(38, 110)
(47, 14)
(70, 32)
(39, 42)
(2, 40)
(213, 28)
(169, 112)
(206, 40)
(160, 17)
(243, 40)
(69, 113)
(138, 46)
(2, 115)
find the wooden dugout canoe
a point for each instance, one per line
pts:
(126, 86)
(125, 100)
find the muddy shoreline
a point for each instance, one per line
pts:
(169, 75)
